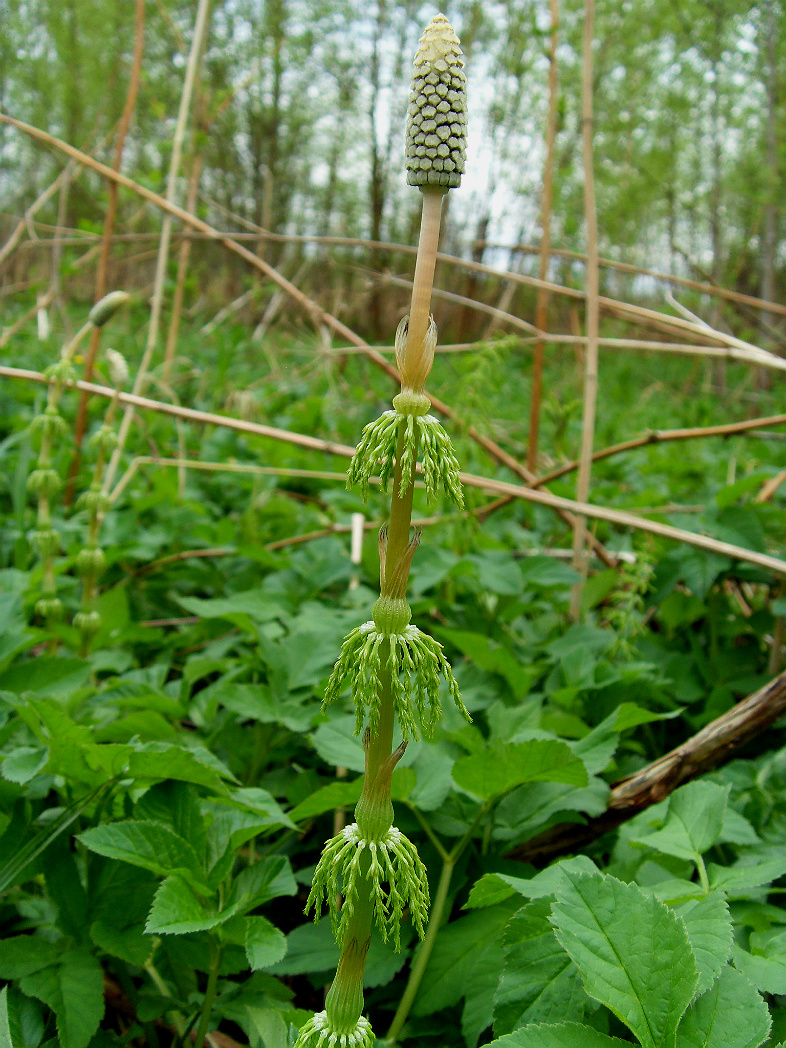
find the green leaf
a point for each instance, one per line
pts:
(693, 823)
(176, 910)
(336, 795)
(501, 767)
(10, 1034)
(311, 949)
(494, 887)
(494, 658)
(633, 952)
(766, 971)
(462, 948)
(746, 874)
(265, 944)
(338, 746)
(24, 954)
(731, 1014)
(709, 927)
(129, 944)
(160, 761)
(540, 983)
(74, 990)
(243, 609)
(344, 794)
(564, 1035)
(257, 884)
(150, 845)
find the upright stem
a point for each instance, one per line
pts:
(422, 959)
(580, 558)
(216, 954)
(200, 29)
(380, 745)
(542, 302)
(420, 308)
(106, 242)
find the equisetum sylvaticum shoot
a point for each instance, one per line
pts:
(90, 561)
(392, 669)
(44, 482)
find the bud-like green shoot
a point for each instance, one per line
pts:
(106, 307)
(437, 115)
(118, 368)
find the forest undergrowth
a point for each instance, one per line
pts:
(164, 798)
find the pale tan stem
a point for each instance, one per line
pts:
(580, 552)
(192, 66)
(542, 303)
(102, 270)
(415, 367)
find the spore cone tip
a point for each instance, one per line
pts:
(437, 115)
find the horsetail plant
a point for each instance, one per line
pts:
(90, 561)
(44, 481)
(393, 670)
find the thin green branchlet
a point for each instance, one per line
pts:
(392, 669)
(44, 482)
(90, 561)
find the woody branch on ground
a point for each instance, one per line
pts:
(392, 669)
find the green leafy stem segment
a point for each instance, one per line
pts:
(44, 482)
(393, 669)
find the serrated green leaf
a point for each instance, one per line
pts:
(633, 952)
(694, 821)
(257, 884)
(766, 971)
(160, 761)
(74, 990)
(495, 887)
(265, 944)
(540, 983)
(501, 767)
(746, 875)
(731, 1014)
(150, 845)
(176, 910)
(709, 927)
(564, 1035)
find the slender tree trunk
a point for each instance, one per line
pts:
(542, 302)
(580, 553)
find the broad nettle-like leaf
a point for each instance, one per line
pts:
(731, 1014)
(497, 770)
(709, 927)
(562, 1035)
(633, 952)
(496, 887)
(74, 990)
(694, 821)
(151, 845)
(540, 983)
